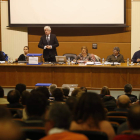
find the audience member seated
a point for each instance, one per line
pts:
(116, 56)
(128, 91)
(44, 90)
(108, 100)
(58, 95)
(2, 58)
(57, 124)
(89, 115)
(66, 91)
(83, 89)
(35, 109)
(25, 95)
(23, 57)
(71, 103)
(13, 98)
(85, 56)
(52, 88)
(8, 129)
(123, 103)
(75, 92)
(20, 87)
(133, 123)
(2, 99)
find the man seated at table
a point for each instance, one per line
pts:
(136, 57)
(116, 56)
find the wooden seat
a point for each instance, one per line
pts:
(117, 113)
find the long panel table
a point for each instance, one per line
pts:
(91, 76)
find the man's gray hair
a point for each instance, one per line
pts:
(117, 49)
(52, 87)
(47, 27)
(60, 114)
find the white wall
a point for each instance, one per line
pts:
(135, 26)
(13, 39)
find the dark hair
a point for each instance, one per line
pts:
(71, 103)
(36, 104)
(75, 92)
(58, 94)
(20, 87)
(83, 89)
(13, 96)
(105, 91)
(44, 90)
(128, 88)
(25, 95)
(89, 105)
(2, 58)
(26, 47)
(134, 117)
(66, 90)
(1, 92)
(61, 115)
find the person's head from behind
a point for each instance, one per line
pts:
(1, 92)
(75, 92)
(36, 104)
(66, 90)
(58, 94)
(89, 106)
(47, 30)
(71, 103)
(10, 131)
(128, 88)
(105, 91)
(52, 88)
(25, 95)
(134, 117)
(26, 50)
(58, 116)
(83, 89)
(44, 90)
(116, 51)
(13, 96)
(84, 50)
(123, 102)
(20, 87)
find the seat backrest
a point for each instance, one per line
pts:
(119, 119)
(117, 113)
(93, 135)
(72, 56)
(115, 126)
(34, 133)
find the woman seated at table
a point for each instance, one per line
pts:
(85, 56)
(2, 58)
(22, 57)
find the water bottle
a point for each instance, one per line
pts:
(127, 61)
(68, 60)
(103, 61)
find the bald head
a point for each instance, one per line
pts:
(123, 101)
(9, 131)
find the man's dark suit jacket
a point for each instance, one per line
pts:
(53, 42)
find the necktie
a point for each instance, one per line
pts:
(47, 38)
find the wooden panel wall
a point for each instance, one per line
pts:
(72, 39)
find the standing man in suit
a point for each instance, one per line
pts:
(48, 43)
